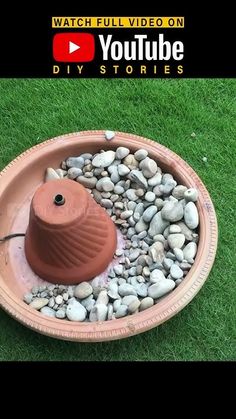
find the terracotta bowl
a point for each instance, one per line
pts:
(19, 180)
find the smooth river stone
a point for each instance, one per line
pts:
(146, 303)
(39, 303)
(141, 154)
(83, 290)
(176, 240)
(149, 168)
(141, 226)
(51, 174)
(178, 191)
(191, 194)
(137, 177)
(191, 216)
(98, 313)
(156, 276)
(172, 211)
(161, 288)
(122, 152)
(149, 213)
(157, 225)
(190, 251)
(109, 135)
(74, 172)
(176, 272)
(104, 159)
(76, 312)
(87, 182)
(155, 180)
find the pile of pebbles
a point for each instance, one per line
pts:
(158, 219)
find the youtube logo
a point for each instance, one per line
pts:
(73, 47)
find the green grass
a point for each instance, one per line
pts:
(167, 111)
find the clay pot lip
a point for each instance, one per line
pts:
(169, 305)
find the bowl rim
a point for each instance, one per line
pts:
(169, 305)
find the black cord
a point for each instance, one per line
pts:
(10, 236)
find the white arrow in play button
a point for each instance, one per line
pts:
(73, 47)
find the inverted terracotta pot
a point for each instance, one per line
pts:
(70, 237)
(18, 182)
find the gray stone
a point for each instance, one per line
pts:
(141, 226)
(109, 311)
(131, 162)
(178, 254)
(176, 240)
(60, 314)
(59, 299)
(122, 152)
(51, 174)
(176, 272)
(191, 194)
(118, 189)
(169, 186)
(98, 313)
(105, 184)
(83, 290)
(157, 225)
(159, 203)
(75, 162)
(167, 263)
(76, 312)
(74, 172)
(131, 195)
(47, 311)
(28, 298)
(191, 217)
(86, 156)
(146, 303)
(174, 228)
(157, 276)
(102, 298)
(126, 289)
(137, 177)
(156, 251)
(104, 159)
(134, 255)
(87, 182)
(128, 299)
(118, 269)
(126, 214)
(106, 203)
(159, 238)
(178, 191)
(123, 170)
(189, 234)
(131, 205)
(189, 251)
(121, 311)
(116, 304)
(172, 211)
(133, 306)
(142, 289)
(150, 196)
(141, 154)
(161, 288)
(39, 303)
(109, 135)
(113, 291)
(155, 180)
(149, 167)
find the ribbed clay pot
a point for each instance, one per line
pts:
(18, 182)
(70, 238)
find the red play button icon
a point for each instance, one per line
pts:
(73, 47)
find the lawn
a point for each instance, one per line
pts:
(167, 111)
